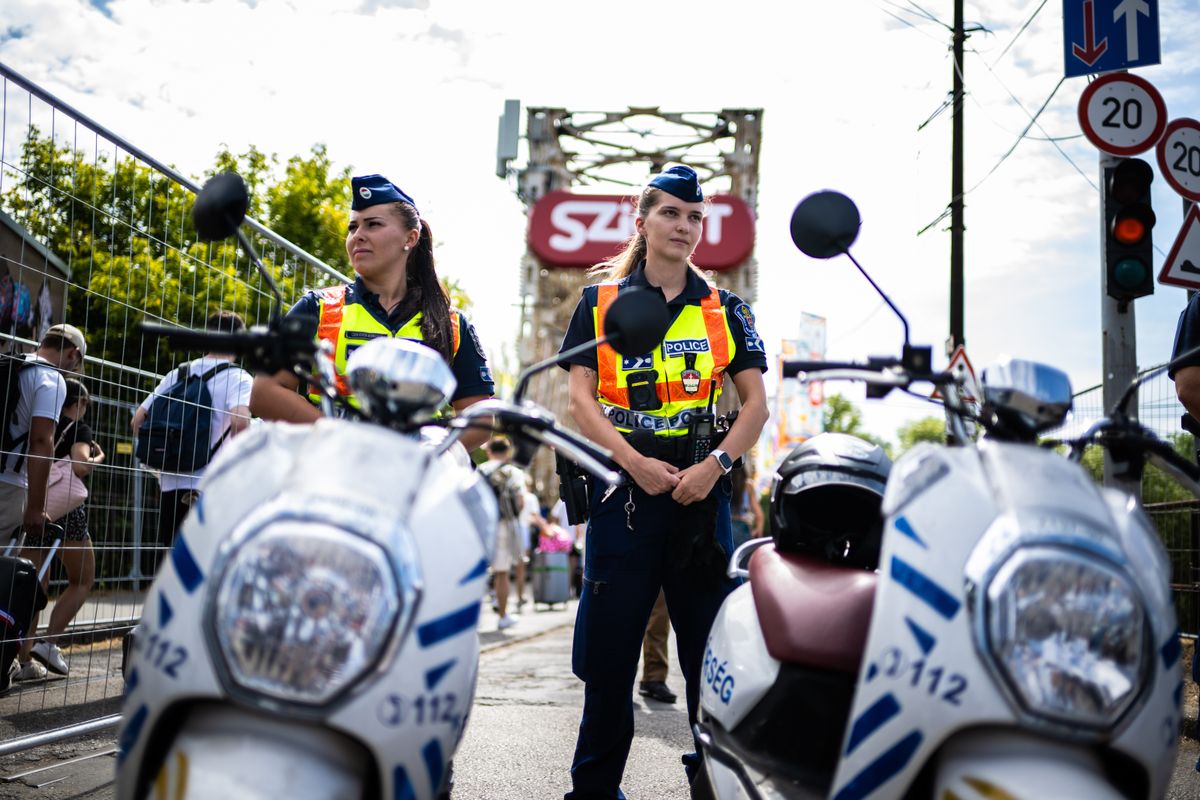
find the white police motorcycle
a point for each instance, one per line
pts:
(1018, 639)
(312, 633)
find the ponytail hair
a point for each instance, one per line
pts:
(625, 262)
(424, 291)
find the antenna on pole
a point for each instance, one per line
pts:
(506, 138)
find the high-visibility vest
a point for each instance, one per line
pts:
(701, 331)
(348, 326)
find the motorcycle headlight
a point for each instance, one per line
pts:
(1067, 631)
(303, 609)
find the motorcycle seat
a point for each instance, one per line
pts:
(811, 613)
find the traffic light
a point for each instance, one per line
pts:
(1129, 219)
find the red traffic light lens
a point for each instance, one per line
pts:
(1129, 230)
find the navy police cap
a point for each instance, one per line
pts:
(680, 181)
(371, 190)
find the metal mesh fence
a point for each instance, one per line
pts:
(98, 234)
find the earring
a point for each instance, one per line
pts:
(406, 248)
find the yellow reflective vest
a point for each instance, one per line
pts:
(347, 326)
(690, 364)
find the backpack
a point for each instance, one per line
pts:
(178, 425)
(11, 367)
(507, 498)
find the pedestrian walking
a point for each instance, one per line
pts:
(179, 427)
(668, 527)
(508, 484)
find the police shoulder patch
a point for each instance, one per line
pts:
(745, 314)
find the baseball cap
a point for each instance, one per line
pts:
(71, 334)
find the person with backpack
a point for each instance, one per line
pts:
(508, 484)
(34, 394)
(194, 410)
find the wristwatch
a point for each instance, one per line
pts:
(723, 459)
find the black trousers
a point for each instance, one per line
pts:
(173, 508)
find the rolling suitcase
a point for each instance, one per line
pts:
(20, 596)
(551, 578)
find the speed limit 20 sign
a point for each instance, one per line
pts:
(1122, 114)
(1178, 154)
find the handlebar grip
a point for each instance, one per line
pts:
(199, 340)
(792, 368)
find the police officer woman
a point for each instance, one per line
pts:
(396, 293)
(669, 527)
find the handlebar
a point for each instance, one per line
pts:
(283, 345)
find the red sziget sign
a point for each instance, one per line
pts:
(577, 230)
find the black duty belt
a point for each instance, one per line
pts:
(672, 449)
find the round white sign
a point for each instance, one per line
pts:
(1178, 154)
(1122, 114)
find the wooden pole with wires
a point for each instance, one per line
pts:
(957, 226)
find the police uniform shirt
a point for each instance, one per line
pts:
(469, 367)
(1187, 335)
(749, 351)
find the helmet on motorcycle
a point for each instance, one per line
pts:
(826, 497)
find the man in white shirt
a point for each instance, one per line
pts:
(25, 463)
(230, 391)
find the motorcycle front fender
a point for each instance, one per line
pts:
(222, 751)
(1019, 764)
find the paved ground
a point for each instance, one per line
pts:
(518, 744)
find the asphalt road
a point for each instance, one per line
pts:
(518, 744)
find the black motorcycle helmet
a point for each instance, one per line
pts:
(826, 497)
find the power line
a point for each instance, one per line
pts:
(1017, 35)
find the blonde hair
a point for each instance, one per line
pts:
(625, 262)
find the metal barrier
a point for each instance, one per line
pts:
(95, 232)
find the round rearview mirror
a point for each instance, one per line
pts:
(825, 224)
(636, 321)
(220, 207)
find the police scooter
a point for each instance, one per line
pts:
(1017, 640)
(313, 632)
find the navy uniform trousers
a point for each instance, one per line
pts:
(623, 572)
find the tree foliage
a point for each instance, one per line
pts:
(842, 416)
(926, 429)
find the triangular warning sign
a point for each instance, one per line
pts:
(1182, 267)
(961, 364)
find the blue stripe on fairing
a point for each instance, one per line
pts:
(200, 509)
(185, 565)
(923, 587)
(905, 527)
(925, 639)
(165, 611)
(478, 571)
(872, 720)
(402, 788)
(452, 624)
(882, 769)
(435, 675)
(432, 753)
(131, 732)
(131, 682)
(1171, 650)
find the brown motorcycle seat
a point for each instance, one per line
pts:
(811, 613)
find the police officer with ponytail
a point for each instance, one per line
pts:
(396, 293)
(668, 527)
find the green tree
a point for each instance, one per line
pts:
(842, 416)
(928, 429)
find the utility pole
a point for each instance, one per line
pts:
(957, 337)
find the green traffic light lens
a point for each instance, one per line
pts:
(1129, 273)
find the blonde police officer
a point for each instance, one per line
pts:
(396, 293)
(669, 528)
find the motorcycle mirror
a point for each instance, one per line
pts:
(636, 321)
(825, 224)
(220, 207)
(218, 212)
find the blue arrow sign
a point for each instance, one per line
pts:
(1104, 35)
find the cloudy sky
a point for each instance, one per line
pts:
(413, 88)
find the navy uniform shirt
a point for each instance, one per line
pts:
(470, 367)
(1187, 335)
(748, 351)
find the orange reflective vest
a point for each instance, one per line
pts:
(348, 326)
(699, 336)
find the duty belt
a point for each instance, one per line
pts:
(672, 449)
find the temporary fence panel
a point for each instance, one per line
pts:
(96, 233)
